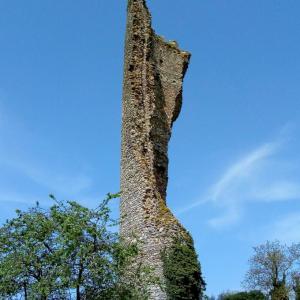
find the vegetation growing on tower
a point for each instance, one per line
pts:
(182, 271)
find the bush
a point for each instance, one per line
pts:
(253, 295)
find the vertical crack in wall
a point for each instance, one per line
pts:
(152, 97)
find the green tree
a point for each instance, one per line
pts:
(296, 285)
(271, 269)
(68, 252)
(252, 295)
(182, 271)
(280, 290)
(205, 297)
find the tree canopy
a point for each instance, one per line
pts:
(271, 269)
(68, 252)
(252, 295)
(296, 284)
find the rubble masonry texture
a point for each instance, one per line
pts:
(152, 98)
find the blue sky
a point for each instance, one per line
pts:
(234, 154)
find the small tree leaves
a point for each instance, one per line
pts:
(49, 254)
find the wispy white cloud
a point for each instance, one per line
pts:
(18, 198)
(253, 178)
(242, 169)
(54, 180)
(44, 173)
(231, 216)
(2, 112)
(279, 191)
(286, 229)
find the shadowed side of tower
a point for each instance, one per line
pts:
(152, 96)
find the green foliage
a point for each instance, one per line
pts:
(182, 271)
(296, 285)
(67, 252)
(271, 269)
(297, 292)
(252, 295)
(280, 291)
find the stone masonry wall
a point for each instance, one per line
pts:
(152, 98)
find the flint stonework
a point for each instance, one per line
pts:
(152, 97)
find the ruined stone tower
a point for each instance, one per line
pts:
(152, 98)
